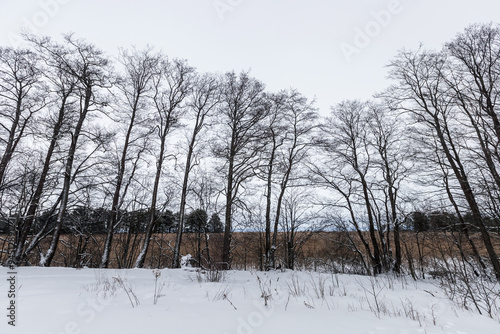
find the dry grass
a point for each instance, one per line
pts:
(321, 249)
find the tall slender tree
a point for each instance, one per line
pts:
(347, 169)
(392, 160)
(241, 111)
(171, 86)
(422, 91)
(204, 100)
(90, 69)
(133, 88)
(21, 98)
(275, 132)
(61, 87)
(299, 121)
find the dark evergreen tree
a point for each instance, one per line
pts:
(419, 221)
(215, 224)
(166, 222)
(196, 221)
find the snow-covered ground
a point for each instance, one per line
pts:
(60, 300)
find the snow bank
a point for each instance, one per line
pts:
(94, 301)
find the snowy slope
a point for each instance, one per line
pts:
(59, 300)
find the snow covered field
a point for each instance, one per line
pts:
(60, 300)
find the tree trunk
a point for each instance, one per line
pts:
(22, 236)
(461, 176)
(268, 257)
(115, 206)
(377, 263)
(12, 142)
(139, 263)
(47, 259)
(182, 209)
(226, 248)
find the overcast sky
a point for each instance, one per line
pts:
(331, 49)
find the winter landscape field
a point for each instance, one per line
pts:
(245, 167)
(63, 300)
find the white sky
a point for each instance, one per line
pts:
(285, 43)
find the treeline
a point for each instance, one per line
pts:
(85, 137)
(447, 222)
(428, 142)
(117, 145)
(93, 221)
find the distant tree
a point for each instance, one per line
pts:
(215, 224)
(134, 224)
(196, 222)
(87, 220)
(419, 221)
(443, 221)
(81, 225)
(166, 222)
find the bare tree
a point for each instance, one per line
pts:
(300, 120)
(134, 86)
(275, 135)
(298, 222)
(172, 86)
(61, 88)
(347, 170)
(241, 111)
(473, 78)
(21, 98)
(89, 67)
(390, 143)
(422, 91)
(205, 98)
